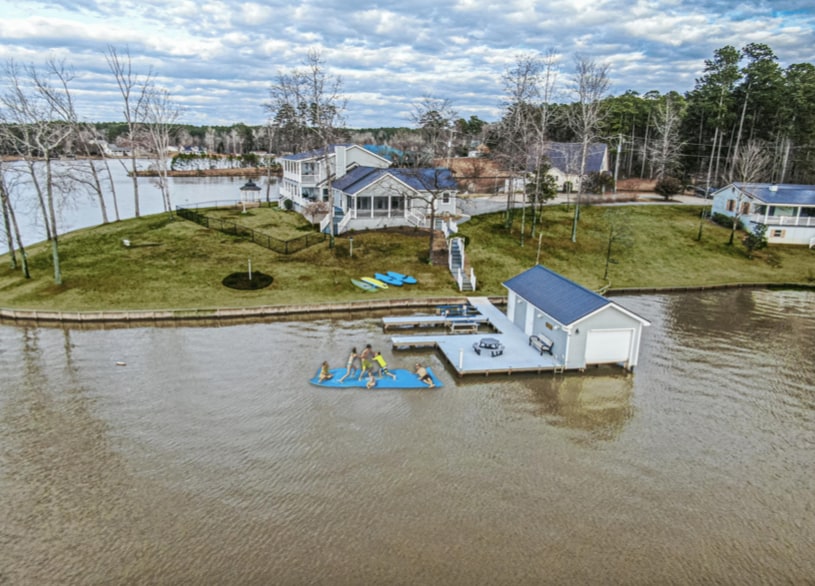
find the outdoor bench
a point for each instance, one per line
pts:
(541, 343)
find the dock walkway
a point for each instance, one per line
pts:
(518, 355)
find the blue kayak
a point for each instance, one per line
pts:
(405, 379)
(388, 279)
(405, 279)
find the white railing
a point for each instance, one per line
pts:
(812, 242)
(343, 225)
(325, 222)
(781, 220)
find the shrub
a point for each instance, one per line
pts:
(669, 186)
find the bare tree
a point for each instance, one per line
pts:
(12, 228)
(307, 104)
(37, 110)
(666, 149)
(134, 90)
(161, 115)
(591, 84)
(435, 119)
(751, 164)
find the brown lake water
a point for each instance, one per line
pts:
(209, 459)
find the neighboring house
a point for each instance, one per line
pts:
(787, 210)
(586, 328)
(372, 197)
(564, 157)
(305, 175)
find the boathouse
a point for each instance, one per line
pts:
(582, 327)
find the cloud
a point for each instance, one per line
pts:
(219, 57)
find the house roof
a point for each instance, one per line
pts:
(428, 179)
(564, 300)
(314, 153)
(565, 156)
(780, 194)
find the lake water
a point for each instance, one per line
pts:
(80, 210)
(209, 459)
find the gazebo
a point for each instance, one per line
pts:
(250, 192)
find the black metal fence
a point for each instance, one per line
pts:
(235, 229)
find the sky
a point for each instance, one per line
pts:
(218, 58)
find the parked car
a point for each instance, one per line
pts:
(703, 191)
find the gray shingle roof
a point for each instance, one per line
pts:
(564, 300)
(419, 179)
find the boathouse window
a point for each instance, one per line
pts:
(549, 326)
(778, 233)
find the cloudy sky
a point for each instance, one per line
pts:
(218, 57)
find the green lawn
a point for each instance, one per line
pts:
(174, 263)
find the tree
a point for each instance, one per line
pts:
(161, 115)
(752, 164)
(667, 147)
(619, 233)
(756, 239)
(540, 188)
(12, 228)
(435, 119)
(135, 90)
(36, 112)
(309, 103)
(669, 186)
(591, 83)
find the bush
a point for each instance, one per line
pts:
(668, 186)
(288, 204)
(755, 240)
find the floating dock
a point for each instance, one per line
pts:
(518, 356)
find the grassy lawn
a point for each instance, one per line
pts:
(174, 263)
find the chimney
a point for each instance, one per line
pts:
(340, 161)
(773, 187)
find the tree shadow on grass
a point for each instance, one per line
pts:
(244, 282)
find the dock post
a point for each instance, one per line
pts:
(461, 358)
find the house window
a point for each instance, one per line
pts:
(731, 205)
(778, 233)
(745, 207)
(445, 197)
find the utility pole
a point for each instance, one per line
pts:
(617, 161)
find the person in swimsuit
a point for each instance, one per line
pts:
(365, 356)
(383, 366)
(424, 376)
(351, 366)
(325, 373)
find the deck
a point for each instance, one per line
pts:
(457, 349)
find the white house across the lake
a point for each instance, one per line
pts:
(584, 327)
(787, 210)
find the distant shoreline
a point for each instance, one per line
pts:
(238, 172)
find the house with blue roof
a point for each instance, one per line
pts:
(373, 198)
(306, 175)
(787, 210)
(584, 328)
(364, 191)
(564, 158)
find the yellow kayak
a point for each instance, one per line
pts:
(375, 282)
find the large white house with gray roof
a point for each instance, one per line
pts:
(584, 327)
(364, 191)
(787, 210)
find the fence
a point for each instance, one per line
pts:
(260, 238)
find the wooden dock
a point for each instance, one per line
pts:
(457, 349)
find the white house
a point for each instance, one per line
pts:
(305, 175)
(372, 197)
(564, 158)
(787, 210)
(585, 328)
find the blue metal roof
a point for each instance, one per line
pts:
(781, 194)
(358, 179)
(564, 300)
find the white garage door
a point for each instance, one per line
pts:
(604, 346)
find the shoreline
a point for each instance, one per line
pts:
(231, 315)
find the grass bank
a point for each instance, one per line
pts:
(172, 263)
